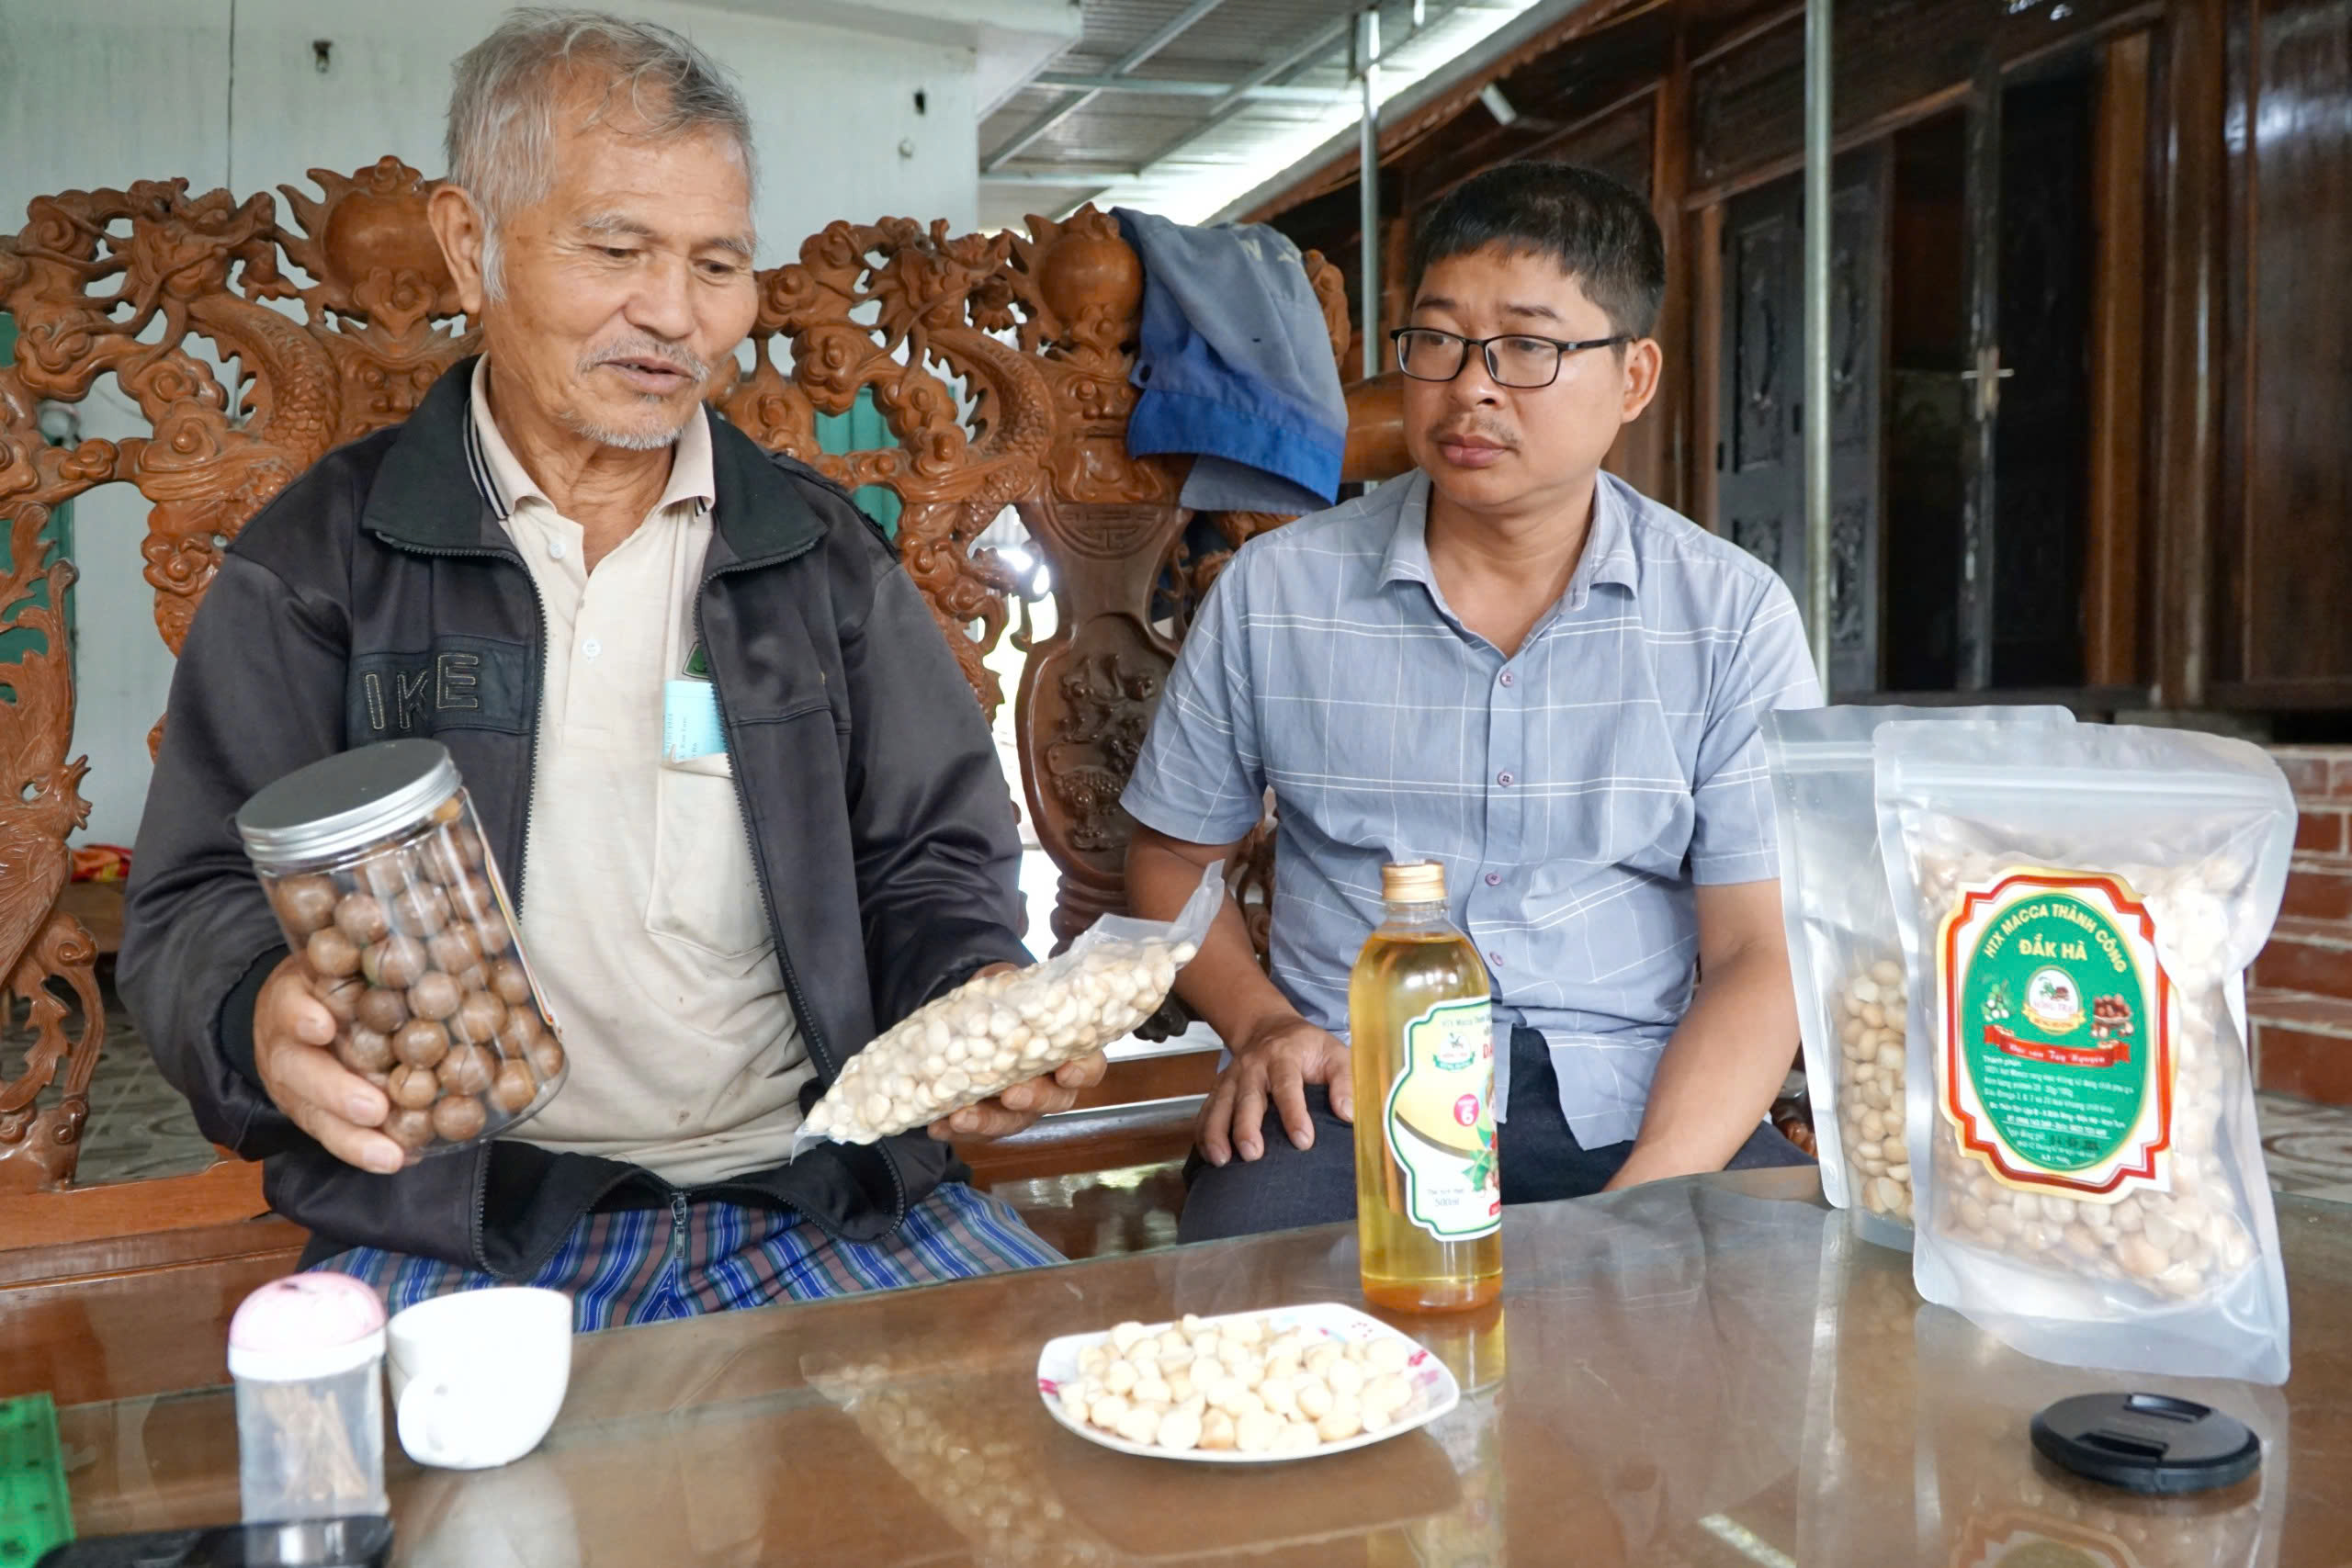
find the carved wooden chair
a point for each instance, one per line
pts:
(998, 362)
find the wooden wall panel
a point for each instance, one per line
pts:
(2291, 631)
(2186, 380)
(1557, 97)
(1747, 106)
(2025, 29)
(1620, 142)
(1890, 57)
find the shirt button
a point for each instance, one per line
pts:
(1503, 779)
(1494, 960)
(555, 549)
(592, 647)
(1509, 677)
(1494, 879)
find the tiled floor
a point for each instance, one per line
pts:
(2308, 1147)
(139, 1125)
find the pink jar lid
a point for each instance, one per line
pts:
(306, 1325)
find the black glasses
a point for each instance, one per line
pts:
(1517, 361)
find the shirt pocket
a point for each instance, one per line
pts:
(706, 890)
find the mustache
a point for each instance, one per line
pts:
(1483, 432)
(676, 356)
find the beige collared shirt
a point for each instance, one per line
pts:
(641, 910)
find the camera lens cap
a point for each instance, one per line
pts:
(2147, 1442)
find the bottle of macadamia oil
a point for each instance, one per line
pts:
(1428, 1190)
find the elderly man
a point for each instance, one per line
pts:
(717, 934)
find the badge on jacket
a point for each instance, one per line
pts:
(690, 726)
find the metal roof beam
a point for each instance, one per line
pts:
(1176, 27)
(1061, 175)
(1167, 33)
(1317, 47)
(1028, 136)
(1172, 87)
(1314, 51)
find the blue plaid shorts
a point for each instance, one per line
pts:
(636, 1266)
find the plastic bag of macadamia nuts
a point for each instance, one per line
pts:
(999, 1029)
(2078, 907)
(1844, 953)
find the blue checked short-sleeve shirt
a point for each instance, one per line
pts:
(1575, 793)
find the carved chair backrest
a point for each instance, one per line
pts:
(999, 362)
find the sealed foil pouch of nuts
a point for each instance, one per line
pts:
(1843, 952)
(999, 1029)
(2078, 906)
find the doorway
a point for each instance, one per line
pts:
(1967, 257)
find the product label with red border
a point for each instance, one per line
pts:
(2055, 1064)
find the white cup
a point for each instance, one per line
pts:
(478, 1376)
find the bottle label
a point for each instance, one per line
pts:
(2055, 1067)
(1440, 1117)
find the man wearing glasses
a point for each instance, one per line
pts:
(1516, 665)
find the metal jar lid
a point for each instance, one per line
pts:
(346, 801)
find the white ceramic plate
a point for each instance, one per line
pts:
(1434, 1390)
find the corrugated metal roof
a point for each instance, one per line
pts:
(1230, 41)
(1189, 156)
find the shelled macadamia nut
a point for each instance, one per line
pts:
(1273, 1394)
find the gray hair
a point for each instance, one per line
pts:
(501, 113)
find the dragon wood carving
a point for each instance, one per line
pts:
(253, 338)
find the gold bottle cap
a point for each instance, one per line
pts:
(1414, 881)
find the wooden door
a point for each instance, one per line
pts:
(1759, 488)
(1759, 456)
(2026, 458)
(2042, 435)
(1857, 377)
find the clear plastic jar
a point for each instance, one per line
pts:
(307, 1353)
(386, 890)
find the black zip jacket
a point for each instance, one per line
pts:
(378, 597)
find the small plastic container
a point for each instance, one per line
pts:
(386, 889)
(307, 1353)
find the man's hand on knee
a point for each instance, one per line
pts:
(1276, 1061)
(293, 1036)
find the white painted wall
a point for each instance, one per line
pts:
(99, 92)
